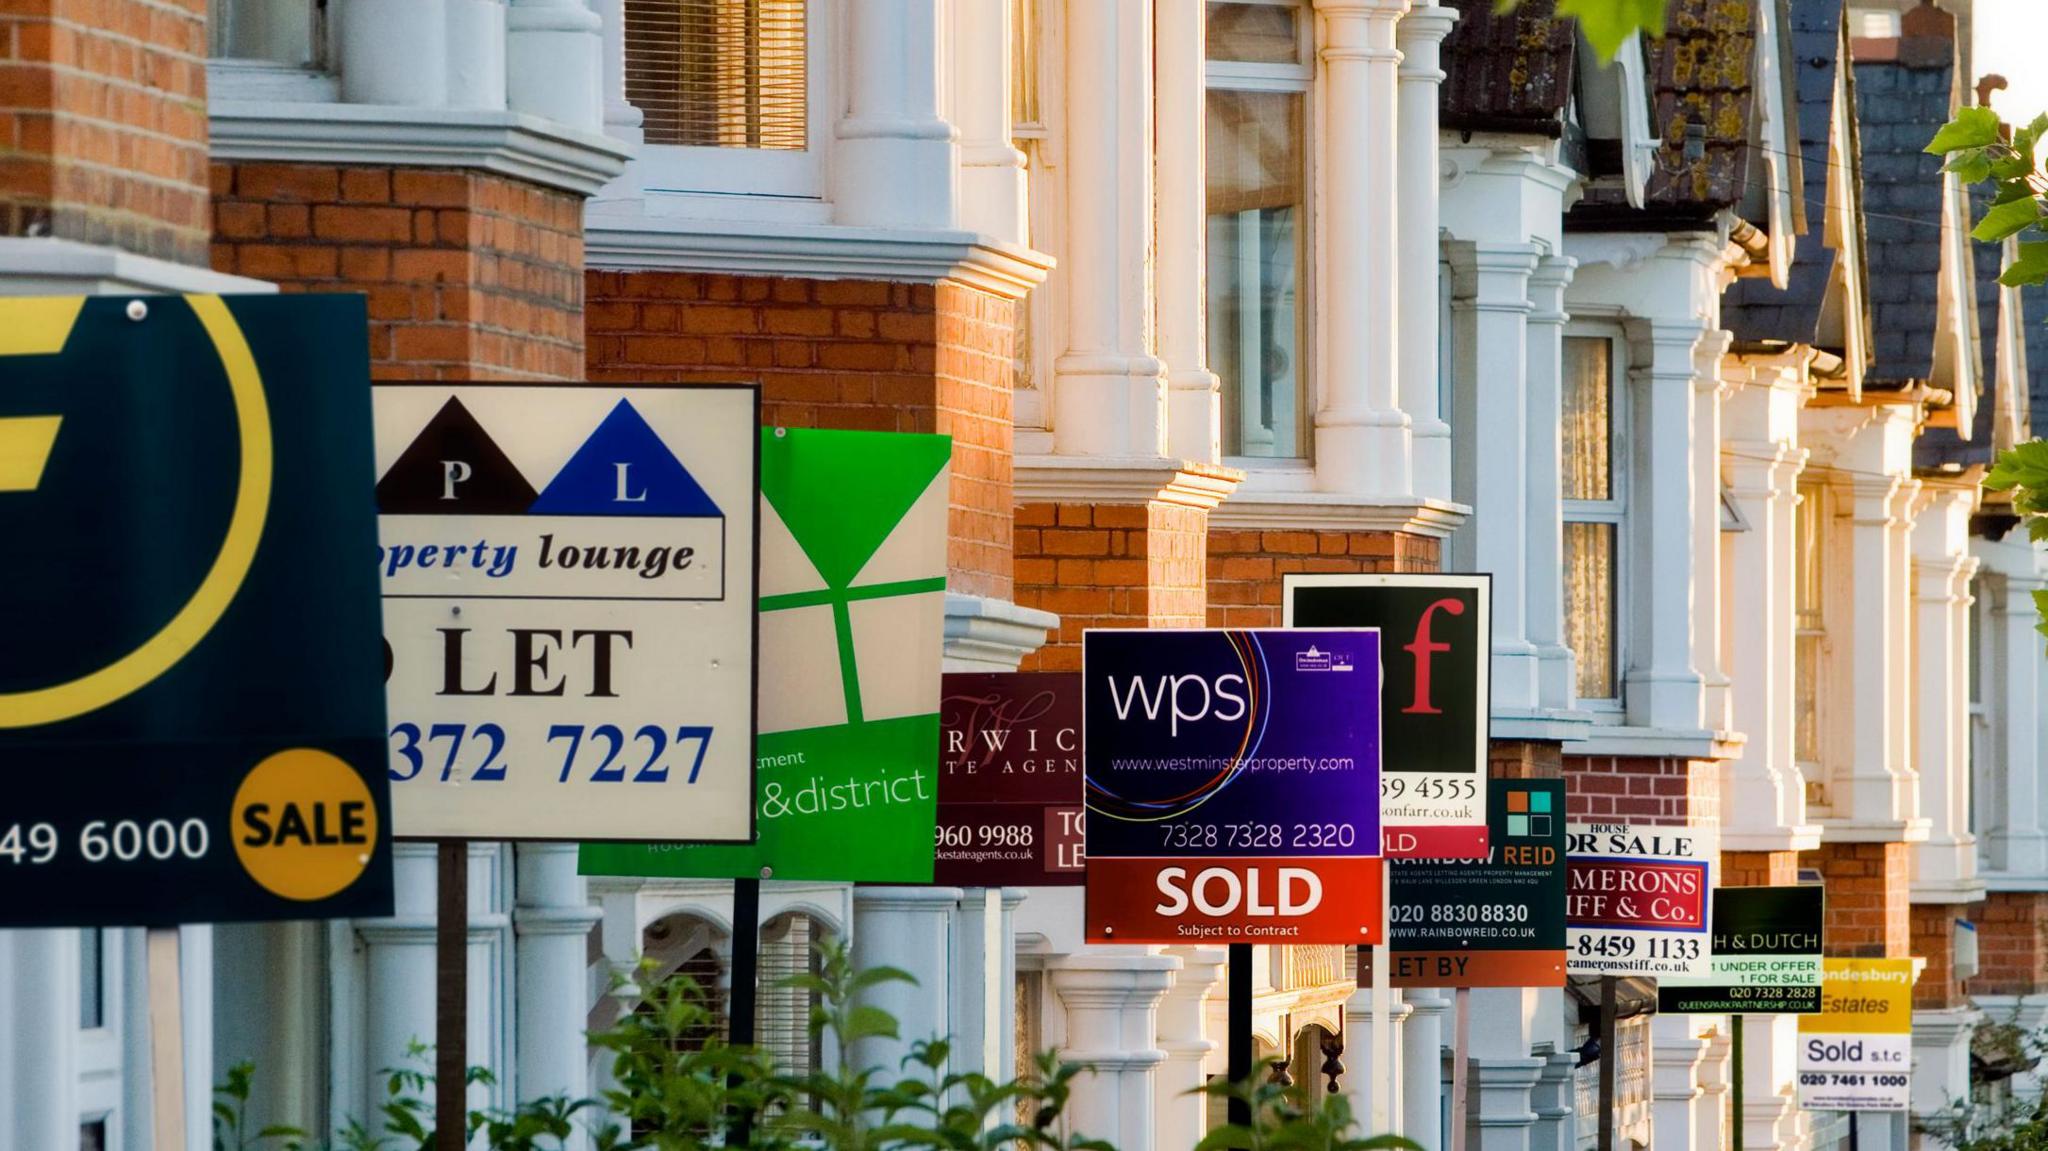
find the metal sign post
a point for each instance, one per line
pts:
(1609, 1056)
(1240, 1052)
(451, 997)
(1735, 1086)
(166, 1038)
(1382, 1025)
(1461, 1067)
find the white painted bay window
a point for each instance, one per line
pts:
(730, 93)
(1809, 634)
(1594, 516)
(1259, 70)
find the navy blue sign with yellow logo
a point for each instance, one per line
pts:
(191, 684)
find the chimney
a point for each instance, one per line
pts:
(1927, 37)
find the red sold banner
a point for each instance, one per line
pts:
(1235, 900)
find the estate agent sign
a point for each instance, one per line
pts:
(852, 618)
(1010, 780)
(1233, 786)
(1857, 1054)
(191, 709)
(1636, 899)
(1765, 958)
(1494, 922)
(1437, 635)
(569, 609)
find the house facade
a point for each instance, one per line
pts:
(1690, 352)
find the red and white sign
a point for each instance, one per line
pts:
(1236, 900)
(1638, 899)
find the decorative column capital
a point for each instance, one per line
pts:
(1420, 36)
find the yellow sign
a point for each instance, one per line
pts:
(305, 824)
(1863, 997)
(41, 327)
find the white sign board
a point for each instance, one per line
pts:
(1857, 1054)
(1637, 899)
(569, 584)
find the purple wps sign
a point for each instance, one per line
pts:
(1232, 785)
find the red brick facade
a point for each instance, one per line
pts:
(1933, 930)
(469, 275)
(1522, 759)
(1246, 566)
(1759, 868)
(854, 354)
(2012, 943)
(1110, 565)
(103, 123)
(1867, 910)
(1642, 789)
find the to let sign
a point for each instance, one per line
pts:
(1857, 1053)
(1009, 780)
(1232, 786)
(1766, 955)
(1494, 922)
(1636, 899)
(1437, 633)
(569, 609)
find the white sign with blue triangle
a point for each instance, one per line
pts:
(569, 583)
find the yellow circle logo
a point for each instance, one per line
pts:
(41, 326)
(304, 824)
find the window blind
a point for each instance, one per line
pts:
(719, 73)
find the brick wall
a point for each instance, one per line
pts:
(469, 274)
(853, 354)
(1245, 567)
(2012, 943)
(1867, 909)
(103, 123)
(1110, 565)
(1642, 789)
(1933, 934)
(1759, 868)
(1523, 759)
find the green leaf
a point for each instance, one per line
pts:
(1608, 24)
(2024, 465)
(2030, 267)
(1972, 128)
(2002, 220)
(1971, 165)
(1388, 1143)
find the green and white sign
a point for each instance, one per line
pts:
(1766, 956)
(853, 582)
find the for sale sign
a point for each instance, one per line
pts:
(1433, 792)
(1636, 899)
(1494, 922)
(1766, 956)
(1009, 780)
(1857, 1053)
(1233, 786)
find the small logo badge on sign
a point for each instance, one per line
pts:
(1314, 660)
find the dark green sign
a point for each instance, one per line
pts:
(191, 686)
(1766, 956)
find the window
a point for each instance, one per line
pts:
(287, 32)
(1257, 182)
(719, 73)
(729, 93)
(789, 948)
(1593, 508)
(92, 979)
(1809, 631)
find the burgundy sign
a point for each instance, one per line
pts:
(1009, 780)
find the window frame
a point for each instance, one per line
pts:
(1813, 771)
(1612, 511)
(1299, 78)
(102, 1063)
(761, 174)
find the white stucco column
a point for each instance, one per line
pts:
(195, 1011)
(398, 979)
(621, 119)
(551, 919)
(1361, 1074)
(983, 982)
(2018, 844)
(1183, 1113)
(1763, 799)
(895, 159)
(1502, 1071)
(1555, 1101)
(1112, 996)
(1422, 1040)
(1771, 1117)
(1945, 864)
(393, 52)
(1544, 601)
(1362, 436)
(1194, 416)
(39, 1047)
(1677, 1052)
(991, 168)
(1419, 37)
(911, 928)
(1109, 390)
(1941, 1060)
(1708, 391)
(476, 53)
(1664, 686)
(553, 63)
(1490, 311)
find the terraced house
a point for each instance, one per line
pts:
(1691, 352)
